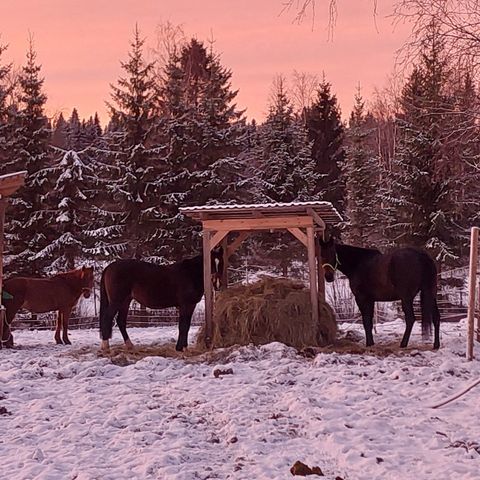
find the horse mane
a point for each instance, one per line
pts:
(69, 273)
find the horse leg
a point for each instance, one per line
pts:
(65, 317)
(407, 307)
(122, 323)
(58, 328)
(106, 324)
(11, 309)
(366, 309)
(186, 312)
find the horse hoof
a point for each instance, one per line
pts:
(129, 345)
(105, 346)
(178, 348)
(67, 341)
(58, 341)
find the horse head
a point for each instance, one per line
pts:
(86, 276)
(329, 257)
(217, 267)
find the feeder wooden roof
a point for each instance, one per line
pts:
(324, 210)
(11, 182)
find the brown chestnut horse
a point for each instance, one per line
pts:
(39, 295)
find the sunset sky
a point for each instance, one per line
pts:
(80, 44)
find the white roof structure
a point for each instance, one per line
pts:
(325, 210)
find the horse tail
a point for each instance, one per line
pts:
(106, 323)
(428, 295)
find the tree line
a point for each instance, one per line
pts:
(403, 170)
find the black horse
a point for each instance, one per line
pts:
(397, 275)
(155, 286)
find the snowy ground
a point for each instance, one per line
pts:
(68, 414)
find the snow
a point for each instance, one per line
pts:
(75, 415)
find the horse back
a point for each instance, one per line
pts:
(400, 273)
(40, 295)
(410, 270)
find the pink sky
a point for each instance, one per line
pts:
(80, 44)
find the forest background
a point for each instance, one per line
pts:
(402, 170)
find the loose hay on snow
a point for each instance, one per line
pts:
(269, 310)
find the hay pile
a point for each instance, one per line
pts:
(269, 310)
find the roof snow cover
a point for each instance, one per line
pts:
(324, 209)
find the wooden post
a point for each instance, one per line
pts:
(3, 206)
(207, 287)
(320, 271)
(471, 291)
(478, 311)
(225, 264)
(312, 265)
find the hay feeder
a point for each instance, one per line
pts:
(269, 310)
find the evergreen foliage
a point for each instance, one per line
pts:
(203, 133)
(423, 188)
(326, 131)
(132, 164)
(362, 178)
(29, 227)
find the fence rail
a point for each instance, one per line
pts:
(136, 318)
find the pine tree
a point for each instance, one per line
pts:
(74, 132)
(60, 133)
(28, 229)
(326, 131)
(285, 172)
(133, 164)
(70, 210)
(204, 134)
(362, 178)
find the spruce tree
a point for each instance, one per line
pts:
(285, 172)
(132, 164)
(326, 132)
(204, 134)
(362, 178)
(69, 202)
(421, 185)
(60, 132)
(28, 230)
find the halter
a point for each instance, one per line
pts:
(337, 263)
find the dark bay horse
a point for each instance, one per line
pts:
(154, 286)
(39, 295)
(396, 275)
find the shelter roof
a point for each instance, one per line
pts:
(10, 182)
(325, 210)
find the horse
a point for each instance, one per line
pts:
(39, 295)
(383, 277)
(154, 286)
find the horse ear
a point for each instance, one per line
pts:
(218, 250)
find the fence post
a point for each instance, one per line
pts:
(472, 291)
